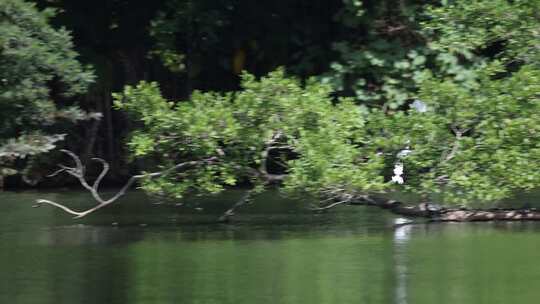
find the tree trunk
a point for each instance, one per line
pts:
(109, 133)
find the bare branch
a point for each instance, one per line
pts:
(339, 198)
(77, 214)
(102, 174)
(264, 160)
(39, 202)
(329, 206)
(242, 201)
(455, 147)
(79, 170)
(77, 160)
(269, 146)
(55, 173)
(134, 178)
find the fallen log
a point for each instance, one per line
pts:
(440, 214)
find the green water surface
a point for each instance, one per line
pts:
(275, 251)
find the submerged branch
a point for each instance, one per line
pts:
(230, 212)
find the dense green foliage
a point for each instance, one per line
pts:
(383, 66)
(472, 144)
(37, 66)
(475, 143)
(475, 146)
(251, 132)
(507, 30)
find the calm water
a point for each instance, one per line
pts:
(275, 252)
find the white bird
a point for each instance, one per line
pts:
(398, 169)
(398, 172)
(397, 179)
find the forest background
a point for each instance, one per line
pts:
(472, 66)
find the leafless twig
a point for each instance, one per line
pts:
(338, 199)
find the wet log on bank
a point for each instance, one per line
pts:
(437, 214)
(461, 215)
(488, 215)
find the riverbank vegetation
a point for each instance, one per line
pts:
(344, 101)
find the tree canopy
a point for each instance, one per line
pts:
(39, 68)
(471, 143)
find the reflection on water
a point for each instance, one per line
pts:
(402, 235)
(276, 252)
